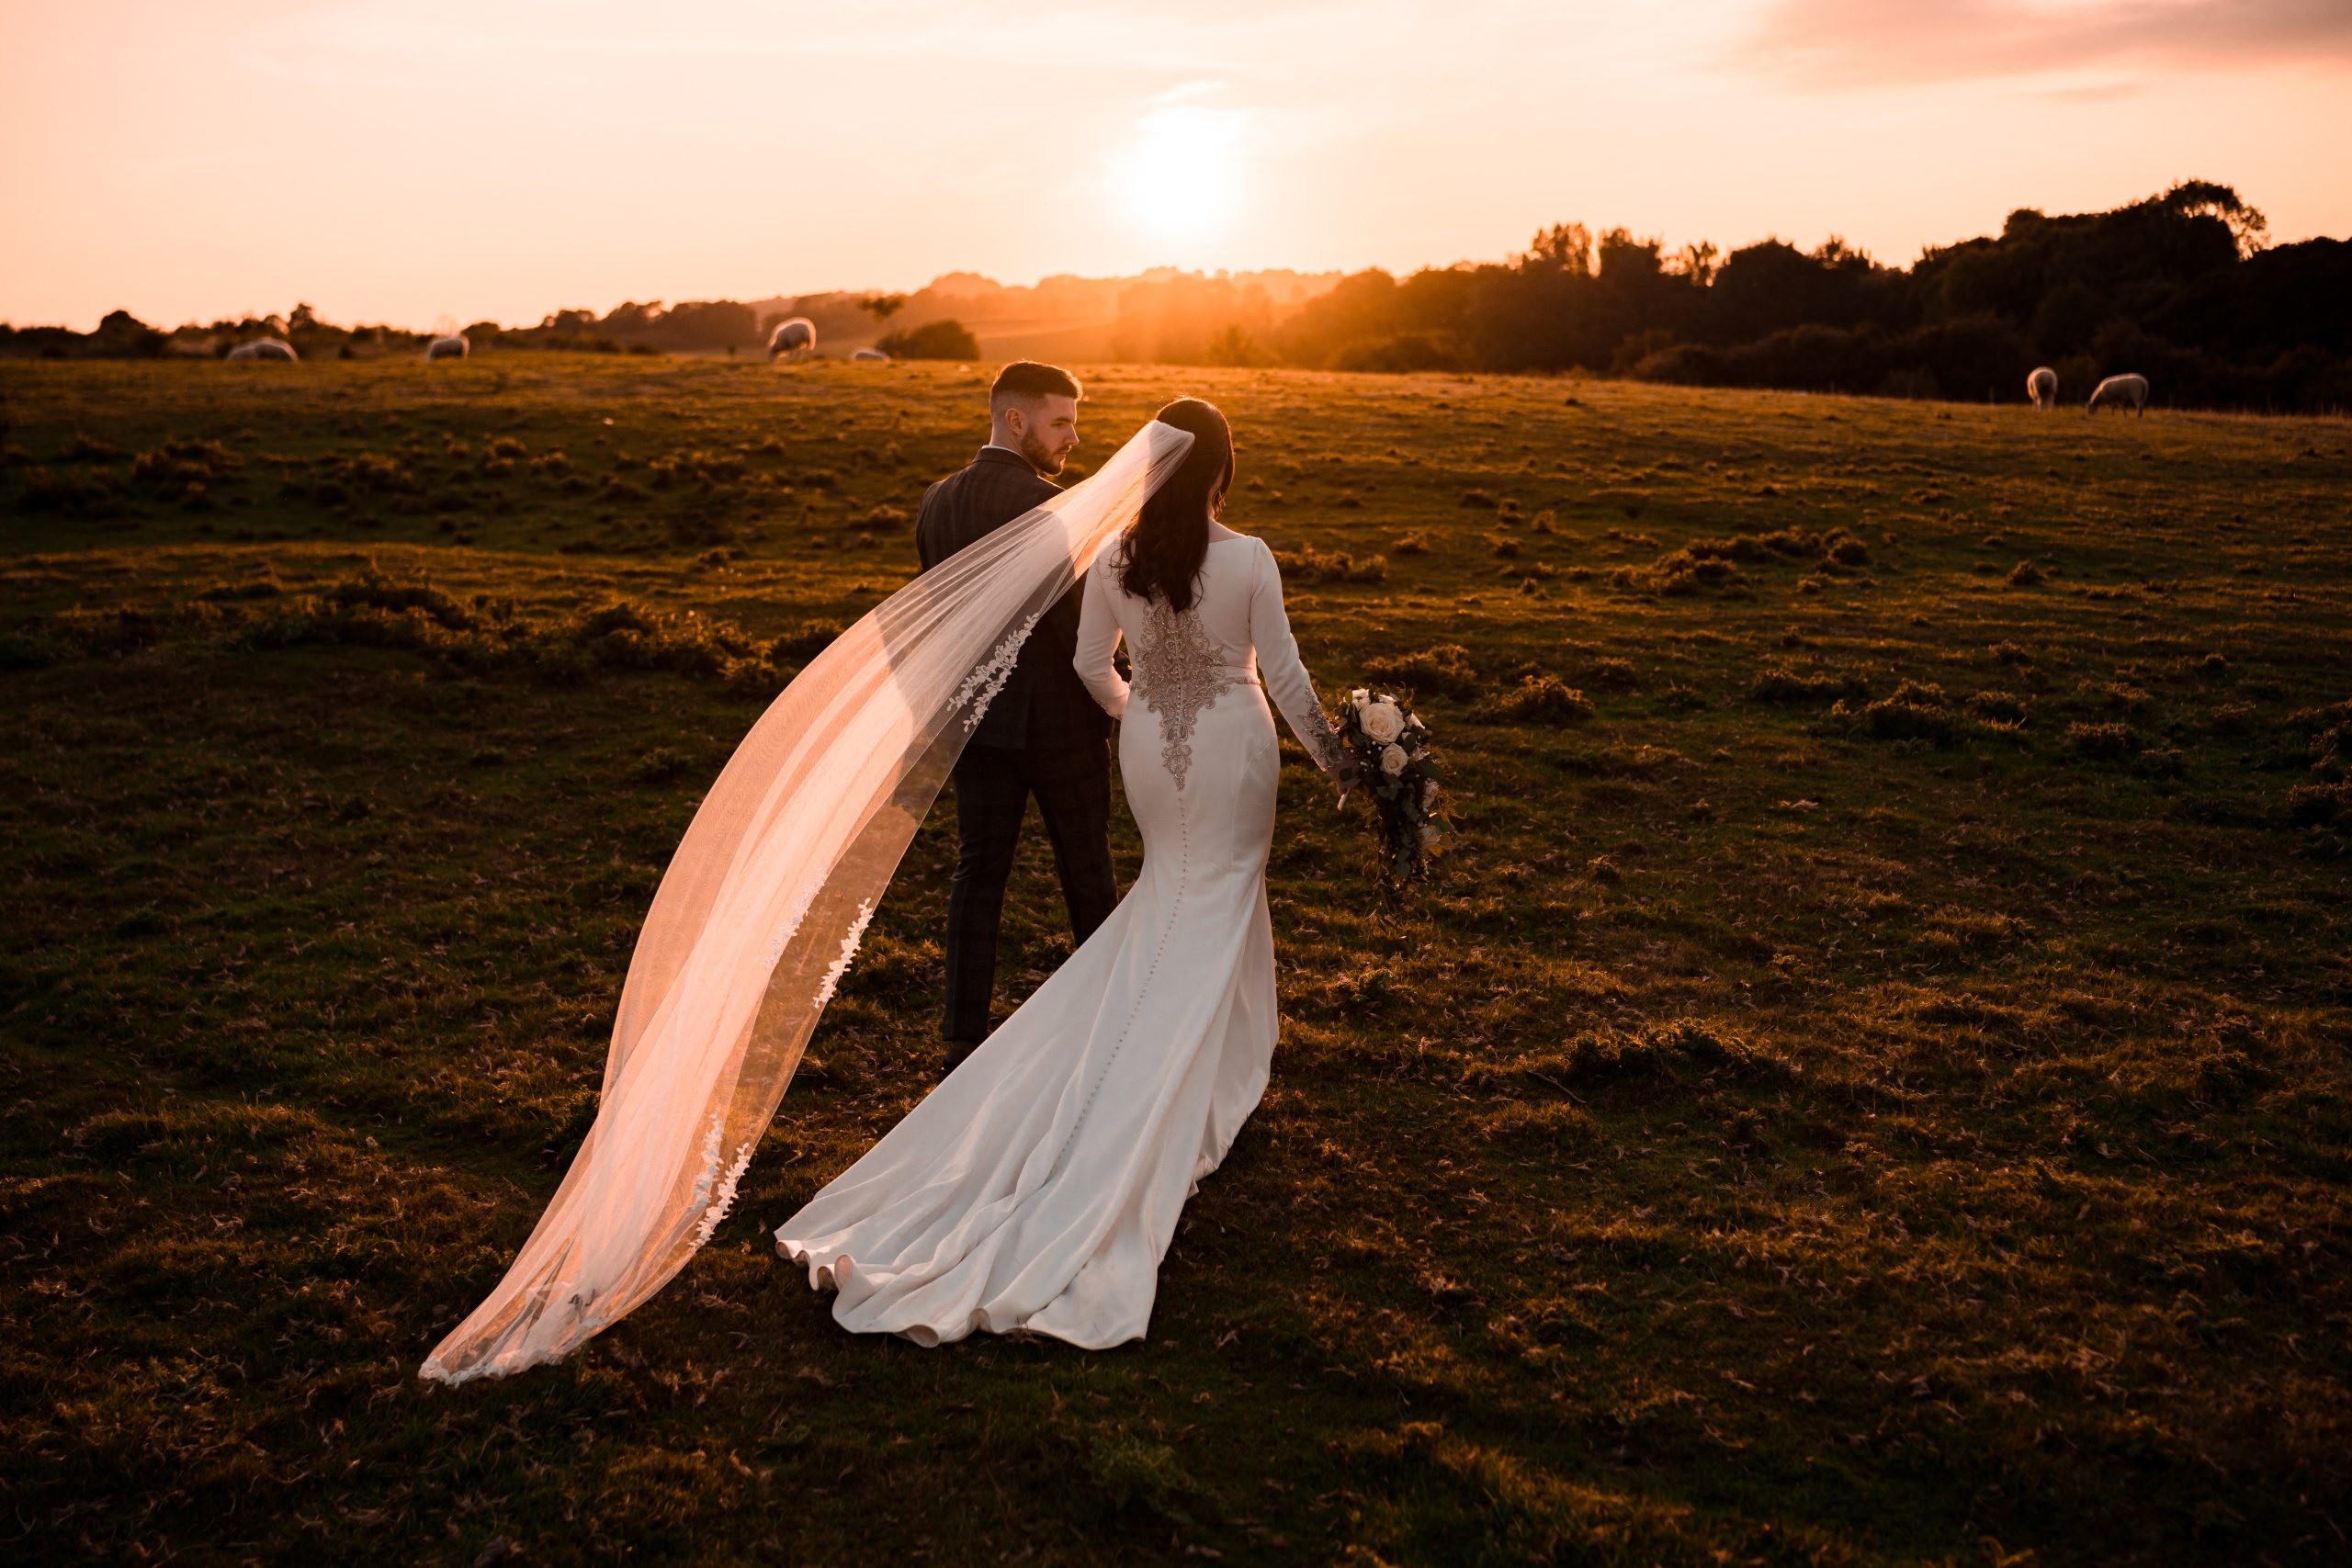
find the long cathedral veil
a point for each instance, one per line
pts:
(762, 908)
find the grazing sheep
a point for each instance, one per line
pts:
(452, 345)
(870, 356)
(2043, 388)
(2119, 390)
(793, 339)
(265, 348)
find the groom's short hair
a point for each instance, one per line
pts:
(1026, 378)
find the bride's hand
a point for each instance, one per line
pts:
(1350, 775)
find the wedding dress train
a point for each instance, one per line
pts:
(1038, 1187)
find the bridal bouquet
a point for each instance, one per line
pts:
(1392, 748)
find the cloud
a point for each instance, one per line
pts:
(1866, 43)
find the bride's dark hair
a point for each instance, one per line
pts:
(1164, 547)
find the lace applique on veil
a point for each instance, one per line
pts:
(1178, 676)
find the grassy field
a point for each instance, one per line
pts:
(1869, 1085)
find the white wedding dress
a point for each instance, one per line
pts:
(1039, 1185)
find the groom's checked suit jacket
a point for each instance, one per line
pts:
(1044, 705)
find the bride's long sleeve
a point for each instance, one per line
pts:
(1286, 679)
(1098, 639)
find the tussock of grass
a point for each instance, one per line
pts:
(1612, 675)
(1443, 669)
(1682, 1049)
(179, 463)
(2319, 805)
(1679, 573)
(87, 448)
(1779, 683)
(2003, 708)
(2106, 742)
(1917, 710)
(75, 494)
(480, 633)
(1311, 565)
(1541, 700)
(1758, 549)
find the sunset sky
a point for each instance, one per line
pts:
(410, 161)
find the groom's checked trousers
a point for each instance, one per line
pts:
(993, 785)
(1042, 736)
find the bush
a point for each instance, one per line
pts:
(933, 340)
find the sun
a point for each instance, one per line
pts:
(1181, 174)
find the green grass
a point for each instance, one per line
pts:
(1870, 1084)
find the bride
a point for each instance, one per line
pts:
(1038, 1186)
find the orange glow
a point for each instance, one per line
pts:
(409, 161)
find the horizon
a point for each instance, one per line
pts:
(502, 161)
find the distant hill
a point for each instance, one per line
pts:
(1066, 316)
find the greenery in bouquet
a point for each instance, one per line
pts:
(1392, 748)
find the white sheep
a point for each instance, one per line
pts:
(265, 348)
(450, 346)
(2043, 388)
(792, 338)
(2119, 390)
(870, 356)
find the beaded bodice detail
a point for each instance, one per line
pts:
(1179, 673)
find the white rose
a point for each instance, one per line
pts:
(1429, 793)
(1429, 835)
(1393, 760)
(1381, 721)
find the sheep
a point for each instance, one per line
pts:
(2043, 388)
(792, 338)
(870, 356)
(2119, 390)
(449, 346)
(265, 348)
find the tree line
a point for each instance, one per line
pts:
(2181, 287)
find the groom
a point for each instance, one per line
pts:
(1044, 735)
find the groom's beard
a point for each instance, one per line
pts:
(1041, 457)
